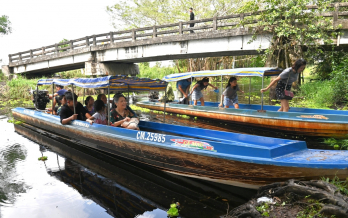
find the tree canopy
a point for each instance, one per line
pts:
(129, 14)
(5, 25)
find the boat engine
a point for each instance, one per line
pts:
(42, 99)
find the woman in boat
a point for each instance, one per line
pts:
(229, 96)
(197, 90)
(89, 105)
(128, 108)
(100, 116)
(121, 116)
(284, 80)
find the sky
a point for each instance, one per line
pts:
(37, 23)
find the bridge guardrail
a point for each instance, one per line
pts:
(203, 25)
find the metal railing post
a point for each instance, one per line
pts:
(52, 97)
(108, 119)
(73, 95)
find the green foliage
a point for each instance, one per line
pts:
(264, 209)
(72, 74)
(292, 25)
(341, 185)
(156, 72)
(19, 87)
(311, 210)
(173, 211)
(338, 144)
(2, 75)
(65, 45)
(5, 25)
(16, 122)
(339, 81)
(43, 158)
(318, 94)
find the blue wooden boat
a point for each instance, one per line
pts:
(300, 121)
(224, 157)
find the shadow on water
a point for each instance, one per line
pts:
(81, 182)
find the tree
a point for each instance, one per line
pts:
(139, 13)
(293, 26)
(5, 25)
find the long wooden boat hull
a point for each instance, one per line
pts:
(310, 122)
(237, 159)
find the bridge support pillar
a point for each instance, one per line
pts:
(110, 68)
(8, 72)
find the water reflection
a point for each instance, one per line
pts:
(11, 157)
(79, 182)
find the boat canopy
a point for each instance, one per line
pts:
(255, 71)
(117, 83)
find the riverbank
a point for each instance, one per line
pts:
(301, 199)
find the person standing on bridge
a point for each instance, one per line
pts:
(285, 80)
(192, 17)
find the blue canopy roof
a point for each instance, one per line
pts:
(255, 71)
(117, 83)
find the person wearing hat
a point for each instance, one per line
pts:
(197, 90)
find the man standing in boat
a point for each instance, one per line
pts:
(183, 88)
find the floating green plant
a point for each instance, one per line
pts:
(43, 158)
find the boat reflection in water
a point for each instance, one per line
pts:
(128, 189)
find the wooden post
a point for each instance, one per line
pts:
(214, 23)
(335, 13)
(94, 40)
(154, 32)
(43, 51)
(10, 58)
(31, 54)
(56, 47)
(112, 37)
(134, 37)
(87, 41)
(180, 27)
(71, 45)
(242, 18)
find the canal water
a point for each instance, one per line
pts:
(79, 182)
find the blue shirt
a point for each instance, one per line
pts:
(184, 84)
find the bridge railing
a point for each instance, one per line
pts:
(179, 28)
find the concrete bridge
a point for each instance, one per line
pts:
(116, 52)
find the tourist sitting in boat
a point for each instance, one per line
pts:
(229, 97)
(89, 105)
(197, 90)
(60, 91)
(67, 112)
(121, 116)
(62, 100)
(100, 116)
(183, 89)
(128, 108)
(285, 80)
